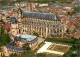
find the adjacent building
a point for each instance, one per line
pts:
(31, 40)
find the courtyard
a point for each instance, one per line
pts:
(54, 48)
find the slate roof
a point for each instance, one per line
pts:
(38, 15)
(15, 49)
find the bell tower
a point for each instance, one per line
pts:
(19, 14)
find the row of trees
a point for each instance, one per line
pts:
(60, 40)
(41, 1)
(10, 2)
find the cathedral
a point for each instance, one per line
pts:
(45, 24)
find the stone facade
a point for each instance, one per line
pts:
(44, 28)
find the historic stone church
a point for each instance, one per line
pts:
(45, 24)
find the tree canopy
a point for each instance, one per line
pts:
(36, 34)
(29, 53)
(4, 39)
(26, 46)
(60, 40)
(74, 50)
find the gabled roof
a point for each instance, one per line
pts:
(38, 15)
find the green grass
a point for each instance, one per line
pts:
(52, 55)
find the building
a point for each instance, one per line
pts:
(32, 40)
(26, 6)
(14, 26)
(9, 49)
(46, 25)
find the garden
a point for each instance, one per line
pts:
(58, 48)
(70, 41)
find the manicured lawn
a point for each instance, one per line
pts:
(60, 48)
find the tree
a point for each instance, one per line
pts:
(28, 53)
(41, 55)
(4, 39)
(67, 31)
(13, 55)
(2, 55)
(68, 13)
(36, 34)
(74, 50)
(2, 30)
(26, 46)
(8, 17)
(72, 37)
